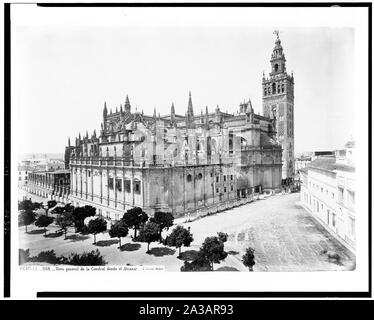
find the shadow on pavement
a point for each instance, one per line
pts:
(130, 247)
(226, 269)
(189, 255)
(36, 231)
(54, 234)
(232, 252)
(77, 237)
(106, 243)
(160, 251)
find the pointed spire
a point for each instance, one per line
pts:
(127, 104)
(206, 110)
(190, 108)
(121, 110)
(69, 142)
(87, 134)
(79, 136)
(154, 113)
(94, 133)
(105, 112)
(190, 116)
(110, 110)
(172, 113)
(116, 109)
(159, 117)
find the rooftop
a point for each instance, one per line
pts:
(329, 164)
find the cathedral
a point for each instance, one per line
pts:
(186, 163)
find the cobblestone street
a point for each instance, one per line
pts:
(284, 235)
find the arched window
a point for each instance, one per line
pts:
(199, 176)
(276, 67)
(189, 178)
(274, 87)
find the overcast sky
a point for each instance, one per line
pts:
(65, 73)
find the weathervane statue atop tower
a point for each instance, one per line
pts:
(276, 32)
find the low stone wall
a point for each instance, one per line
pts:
(219, 207)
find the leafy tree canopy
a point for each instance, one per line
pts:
(213, 249)
(118, 230)
(27, 217)
(134, 217)
(29, 205)
(222, 236)
(97, 225)
(43, 221)
(65, 220)
(163, 219)
(179, 237)
(149, 233)
(249, 258)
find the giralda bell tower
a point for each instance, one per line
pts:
(278, 103)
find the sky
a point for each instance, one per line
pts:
(64, 72)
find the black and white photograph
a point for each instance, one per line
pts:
(219, 148)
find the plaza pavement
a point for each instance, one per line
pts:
(285, 238)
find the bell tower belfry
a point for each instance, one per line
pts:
(278, 103)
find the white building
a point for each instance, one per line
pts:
(22, 174)
(328, 192)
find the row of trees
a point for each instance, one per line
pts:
(68, 215)
(150, 230)
(213, 251)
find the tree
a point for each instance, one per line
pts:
(92, 258)
(96, 226)
(201, 263)
(164, 221)
(64, 221)
(213, 250)
(119, 230)
(80, 214)
(134, 218)
(29, 205)
(58, 210)
(50, 204)
(149, 233)
(43, 222)
(222, 236)
(179, 237)
(249, 258)
(27, 217)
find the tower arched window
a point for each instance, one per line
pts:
(274, 87)
(276, 67)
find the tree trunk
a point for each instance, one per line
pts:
(134, 233)
(180, 250)
(148, 247)
(119, 242)
(94, 238)
(65, 233)
(212, 267)
(46, 212)
(26, 227)
(250, 268)
(45, 232)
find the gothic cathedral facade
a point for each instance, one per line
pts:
(278, 104)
